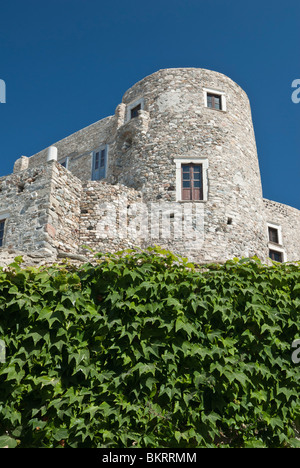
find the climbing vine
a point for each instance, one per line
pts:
(144, 349)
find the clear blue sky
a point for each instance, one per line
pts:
(67, 63)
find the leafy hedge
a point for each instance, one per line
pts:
(147, 350)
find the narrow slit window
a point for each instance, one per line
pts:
(2, 225)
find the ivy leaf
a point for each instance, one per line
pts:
(7, 442)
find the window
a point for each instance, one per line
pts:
(99, 163)
(134, 108)
(65, 163)
(191, 179)
(134, 112)
(214, 99)
(2, 225)
(96, 160)
(102, 158)
(273, 235)
(276, 255)
(276, 250)
(192, 185)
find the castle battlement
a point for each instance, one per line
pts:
(175, 166)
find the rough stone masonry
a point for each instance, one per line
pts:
(175, 166)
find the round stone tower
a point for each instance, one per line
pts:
(188, 140)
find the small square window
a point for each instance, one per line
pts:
(276, 256)
(135, 111)
(214, 101)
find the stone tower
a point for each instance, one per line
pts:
(200, 117)
(175, 166)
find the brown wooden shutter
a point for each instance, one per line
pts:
(186, 182)
(191, 182)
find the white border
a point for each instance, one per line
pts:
(277, 249)
(219, 93)
(279, 230)
(204, 163)
(272, 245)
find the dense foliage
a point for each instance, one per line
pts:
(147, 350)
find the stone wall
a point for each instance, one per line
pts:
(64, 209)
(41, 206)
(106, 218)
(25, 204)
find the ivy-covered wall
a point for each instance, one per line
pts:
(144, 349)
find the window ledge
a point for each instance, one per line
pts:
(275, 244)
(191, 201)
(218, 110)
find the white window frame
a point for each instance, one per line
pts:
(132, 105)
(279, 231)
(279, 250)
(178, 163)
(272, 245)
(218, 93)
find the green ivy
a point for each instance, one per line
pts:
(145, 349)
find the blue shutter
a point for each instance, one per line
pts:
(99, 163)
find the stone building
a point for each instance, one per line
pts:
(176, 166)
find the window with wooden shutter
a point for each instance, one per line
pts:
(192, 182)
(96, 160)
(273, 235)
(214, 101)
(102, 158)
